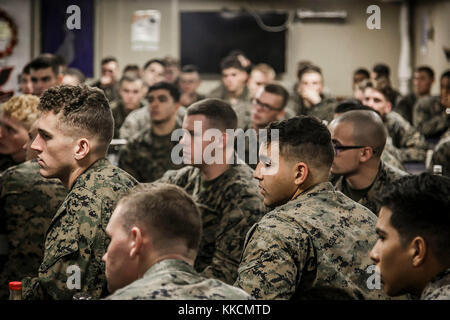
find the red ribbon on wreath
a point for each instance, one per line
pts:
(13, 41)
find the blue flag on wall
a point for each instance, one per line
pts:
(76, 46)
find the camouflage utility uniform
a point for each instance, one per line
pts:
(120, 113)
(176, 280)
(430, 117)
(28, 203)
(367, 197)
(438, 288)
(313, 247)
(148, 156)
(230, 204)
(76, 237)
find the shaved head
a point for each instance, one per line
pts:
(367, 129)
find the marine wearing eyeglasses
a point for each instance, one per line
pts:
(358, 139)
(269, 104)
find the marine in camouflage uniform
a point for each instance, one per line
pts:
(324, 110)
(230, 205)
(242, 106)
(441, 154)
(313, 247)
(28, 204)
(411, 144)
(120, 113)
(148, 156)
(177, 280)
(76, 235)
(6, 162)
(139, 120)
(438, 288)
(367, 197)
(431, 118)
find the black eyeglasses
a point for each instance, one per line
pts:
(338, 148)
(265, 105)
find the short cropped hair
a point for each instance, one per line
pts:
(368, 129)
(81, 107)
(173, 90)
(164, 210)
(132, 68)
(189, 68)
(74, 72)
(445, 74)
(108, 59)
(384, 88)
(231, 62)
(362, 71)
(308, 69)
(23, 108)
(45, 61)
(279, 91)
(265, 69)
(129, 78)
(218, 112)
(304, 138)
(420, 206)
(382, 69)
(427, 70)
(149, 62)
(351, 105)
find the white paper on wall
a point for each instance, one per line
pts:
(145, 30)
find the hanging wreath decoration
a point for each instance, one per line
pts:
(13, 39)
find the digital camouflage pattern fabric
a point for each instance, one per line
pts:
(385, 176)
(438, 288)
(430, 117)
(76, 235)
(405, 106)
(441, 155)
(230, 205)
(391, 155)
(139, 120)
(410, 142)
(176, 280)
(120, 113)
(148, 156)
(28, 203)
(324, 110)
(313, 247)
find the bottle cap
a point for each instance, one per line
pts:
(15, 285)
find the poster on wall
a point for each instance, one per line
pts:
(145, 30)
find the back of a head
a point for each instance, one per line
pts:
(164, 85)
(368, 129)
(82, 108)
(382, 70)
(420, 206)
(23, 108)
(231, 62)
(279, 90)
(45, 61)
(167, 212)
(304, 138)
(219, 113)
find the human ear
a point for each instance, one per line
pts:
(301, 172)
(82, 149)
(136, 241)
(418, 251)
